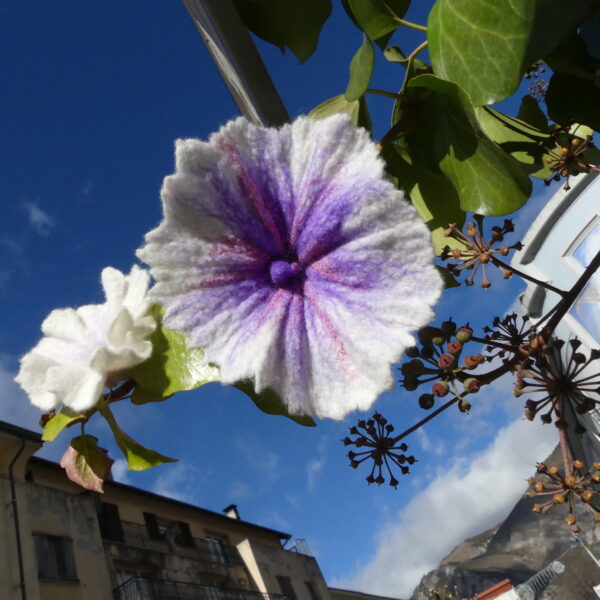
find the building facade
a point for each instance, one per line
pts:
(58, 541)
(559, 245)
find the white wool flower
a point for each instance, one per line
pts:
(87, 349)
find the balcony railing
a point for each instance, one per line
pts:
(139, 588)
(214, 555)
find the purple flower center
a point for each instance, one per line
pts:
(283, 272)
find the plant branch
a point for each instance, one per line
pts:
(428, 418)
(409, 24)
(387, 94)
(543, 284)
(565, 304)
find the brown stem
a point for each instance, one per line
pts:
(120, 392)
(428, 418)
(543, 284)
(491, 342)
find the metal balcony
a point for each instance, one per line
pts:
(209, 556)
(139, 588)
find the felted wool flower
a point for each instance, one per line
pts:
(288, 256)
(87, 349)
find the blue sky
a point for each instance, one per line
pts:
(95, 95)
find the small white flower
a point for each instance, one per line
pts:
(87, 349)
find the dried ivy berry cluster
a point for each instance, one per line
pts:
(570, 155)
(562, 376)
(375, 436)
(472, 250)
(570, 489)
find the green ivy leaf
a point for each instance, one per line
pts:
(86, 464)
(449, 279)
(377, 18)
(432, 194)
(138, 457)
(357, 110)
(571, 98)
(571, 57)
(269, 402)
(361, 69)
(516, 137)
(173, 367)
(63, 418)
(485, 46)
(449, 140)
(295, 24)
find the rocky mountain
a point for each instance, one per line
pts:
(523, 544)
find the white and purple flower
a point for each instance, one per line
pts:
(94, 346)
(293, 261)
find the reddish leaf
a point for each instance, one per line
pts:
(86, 463)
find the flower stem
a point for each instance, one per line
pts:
(428, 418)
(409, 24)
(543, 284)
(387, 94)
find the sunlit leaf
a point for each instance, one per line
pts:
(269, 402)
(449, 140)
(173, 367)
(361, 69)
(357, 110)
(138, 457)
(65, 417)
(432, 194)
(485, 46)
(86, 464)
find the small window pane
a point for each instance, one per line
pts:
(55, 557)
(285, 585)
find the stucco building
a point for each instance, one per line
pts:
(58, 541)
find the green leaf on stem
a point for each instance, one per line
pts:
(485, 46)
(515, 137)
(269, 402)
(377, 18)
(173, 367)
(357, 110)
(65, 417)
(449, 140)
(432, 194)
(86, 464)
(361, 69)
(139, 458)
(295, 24)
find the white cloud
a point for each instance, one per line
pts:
(466, 498)
(40, 220)
(178, 481)
(238, 490)
(315, 465)
(120, 471)
(260, 458)
(15, 407)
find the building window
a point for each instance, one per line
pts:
(217, 547)
(55, 557)
(285, 585)
(313, 591)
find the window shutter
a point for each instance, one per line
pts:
(152, 526)
(186, 534)
(110, 522)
